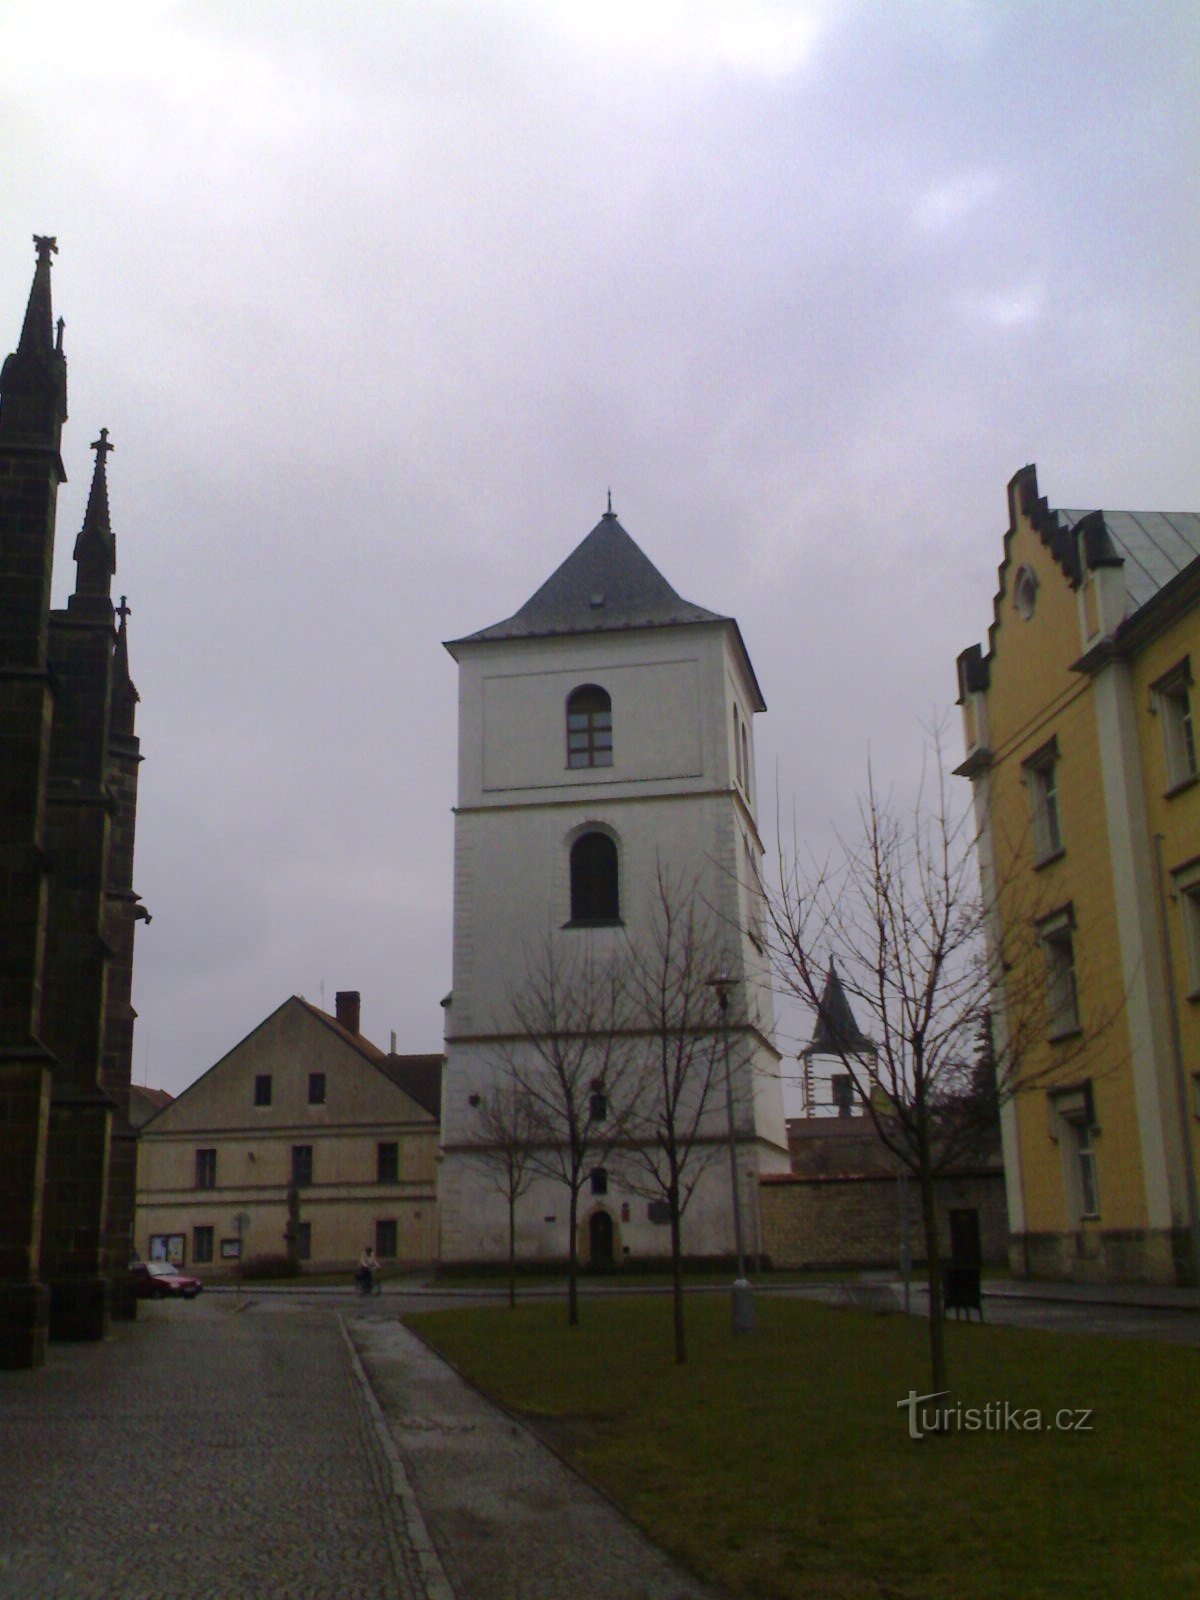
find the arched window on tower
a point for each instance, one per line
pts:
(595, 892)
(589, 727)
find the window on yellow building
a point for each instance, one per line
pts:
(1185, 886)
(1041, 779)
(1073, 1124)
(1056, 935)
(1171, 698)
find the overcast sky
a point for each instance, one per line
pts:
(377, 300)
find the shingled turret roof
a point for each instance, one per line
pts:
(605, 583)
(837, 1031)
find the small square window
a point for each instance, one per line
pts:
(387, 1163)
(202, 1245)
(206, 1169)
(1041, 778)
(316, 1088)
(302, 1165)
(262, 1089)
(385, 1240)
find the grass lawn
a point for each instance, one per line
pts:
(779, 1463)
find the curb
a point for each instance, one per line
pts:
(521, 1421)
(435, 1583)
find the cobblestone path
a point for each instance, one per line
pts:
(198, 1454)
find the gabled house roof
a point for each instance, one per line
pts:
(607, 584)
(145, 1103)
(419, 1077)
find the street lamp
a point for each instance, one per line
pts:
(743, 1295)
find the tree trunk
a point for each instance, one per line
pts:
(573, 1266)
(937, 1323)
(512, 1251)
(677, 1273)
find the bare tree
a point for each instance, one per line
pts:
(902, 913)
(672, 1007)
(509, 1129)
(571, 1058)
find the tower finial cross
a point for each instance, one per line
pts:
(124, 610)
(101, 445)
(45, 245)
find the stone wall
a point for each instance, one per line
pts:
(854, 1221)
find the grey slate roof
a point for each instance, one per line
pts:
(1155, 546)
(604, 584)
(837, 1029)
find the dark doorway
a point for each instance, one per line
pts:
(600, 1241)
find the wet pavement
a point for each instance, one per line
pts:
(303, 1445)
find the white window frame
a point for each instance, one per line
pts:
(1040, 772)
(1056, 935)
(1074, 1126)
(1170, 699)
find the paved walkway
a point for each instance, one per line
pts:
(510, 1521)
(212, 1452)
(199, 1454)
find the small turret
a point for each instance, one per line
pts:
(124, 695)
(33, 381)
(95, 548)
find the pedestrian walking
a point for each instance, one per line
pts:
(368, 1266)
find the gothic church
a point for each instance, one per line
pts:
(68, 797)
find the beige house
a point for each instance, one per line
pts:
(306, 1136)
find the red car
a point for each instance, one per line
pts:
(155, 1280)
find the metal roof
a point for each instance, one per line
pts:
(1155, 546)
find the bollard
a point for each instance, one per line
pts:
(743, 1307)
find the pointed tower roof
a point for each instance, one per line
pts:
(124, 694)
(95, 547)
(837, 1030)
(33, 381)
(605, 583)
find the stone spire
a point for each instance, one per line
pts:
(33, 382)
(124, 695)
(95, 548)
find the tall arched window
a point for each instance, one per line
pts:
(589, 727)
(595, 894)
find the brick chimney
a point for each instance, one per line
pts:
(348, 1009)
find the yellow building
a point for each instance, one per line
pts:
(304, 1129)
(1082, 751)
